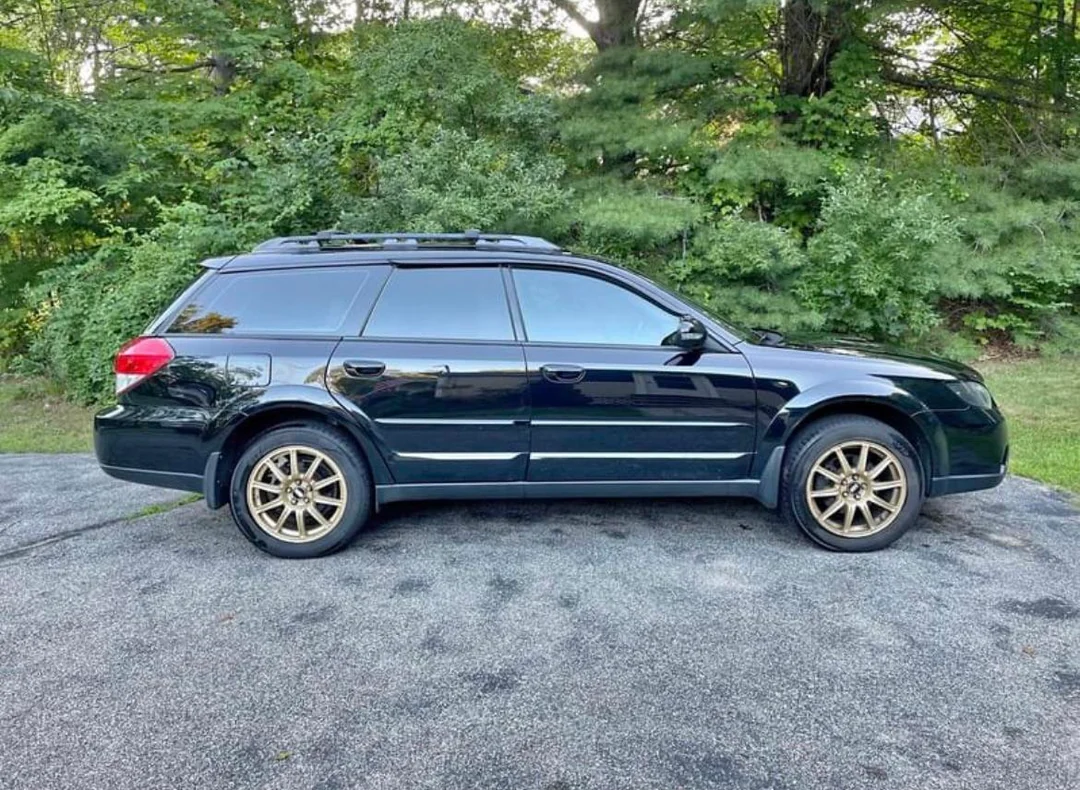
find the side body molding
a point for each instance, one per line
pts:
(763, 483)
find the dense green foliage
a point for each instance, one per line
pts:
(903, 170)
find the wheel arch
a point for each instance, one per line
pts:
(253, 422)
(882, 411)
(879, 400)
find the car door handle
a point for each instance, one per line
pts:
(364, 368)
(562, 374)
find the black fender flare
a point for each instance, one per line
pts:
(859, 395)
(296, 399)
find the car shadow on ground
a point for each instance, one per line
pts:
(969, 522)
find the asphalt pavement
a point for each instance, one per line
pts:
(557, 646)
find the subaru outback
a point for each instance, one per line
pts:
(317, 378)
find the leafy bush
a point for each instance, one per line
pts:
(628, 223)
(876, 258)
(455, 182)
(744, 271)
(1016, 266)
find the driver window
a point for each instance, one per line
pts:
(566, 307)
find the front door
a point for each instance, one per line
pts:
(611, 401)
(440, 377)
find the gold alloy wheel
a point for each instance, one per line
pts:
(856, 489)
(296, 494)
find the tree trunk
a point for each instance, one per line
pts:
(222, 72)
(616, 24)
(1063, 46)
(811, 37)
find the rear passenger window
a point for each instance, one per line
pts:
(298, 301)
(442, 304)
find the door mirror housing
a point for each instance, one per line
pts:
(691, 333)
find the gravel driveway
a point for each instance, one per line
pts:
(674, 644)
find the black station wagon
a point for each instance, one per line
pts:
(311, 381)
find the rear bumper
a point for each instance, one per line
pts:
(154, 447)
(179, 480)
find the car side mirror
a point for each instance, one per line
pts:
(691, 334)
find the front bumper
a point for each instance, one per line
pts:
(978, 451)
(959, 484)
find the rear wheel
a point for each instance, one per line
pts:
(852, 483)
(300, 491)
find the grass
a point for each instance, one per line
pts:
(35, 418)
(1039, 398)
(165, 507)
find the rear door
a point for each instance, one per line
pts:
(613, 400)
(440, 377)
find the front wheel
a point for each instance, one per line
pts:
(300, 491)
(852, 483)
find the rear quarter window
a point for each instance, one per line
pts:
(296, 301)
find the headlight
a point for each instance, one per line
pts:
(973, 393)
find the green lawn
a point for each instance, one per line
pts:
(1039, 397)
(34, 418)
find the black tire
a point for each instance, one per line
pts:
(357, 482)
(815, 440)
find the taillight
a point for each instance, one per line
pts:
(138, 359)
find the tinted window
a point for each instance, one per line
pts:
(563, 307)
(447, 304)
(299, 301)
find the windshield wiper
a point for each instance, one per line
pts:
(769, 337)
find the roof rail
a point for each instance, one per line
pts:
(335, 239)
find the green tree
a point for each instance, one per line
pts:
(903, 170)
